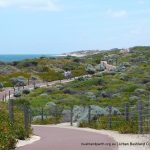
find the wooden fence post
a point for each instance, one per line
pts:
(28, 81)
(140, 117)
(42, 114)
(9, 94)
(89, 114)
(5, 96)
(26, 118)
(126, 112)
(11, 110)
(14, 89)
(30, 116)
(47, 83)
(71, 116)
(110, 117)
(56, 114)
(34, 84)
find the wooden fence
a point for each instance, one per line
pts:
(24, 109)
(138, 114)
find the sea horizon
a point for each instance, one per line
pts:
(20, 57)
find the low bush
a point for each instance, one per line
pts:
(9, 133)
(26, 91)
(52, 120)
(118, 124)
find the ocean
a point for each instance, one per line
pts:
(13, 57)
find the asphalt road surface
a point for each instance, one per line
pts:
(54, 138)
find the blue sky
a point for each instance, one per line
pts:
(57, 26)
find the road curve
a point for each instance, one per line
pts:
(54, 138)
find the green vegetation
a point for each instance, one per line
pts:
(9, 133)
(128, 83)
(108, 88)
(45, 69)
(118, 124)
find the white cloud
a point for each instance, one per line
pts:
(117, 14)
(49, 5)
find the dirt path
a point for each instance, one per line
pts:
(4, 95)
(55, 138)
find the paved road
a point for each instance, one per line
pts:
(54, 138)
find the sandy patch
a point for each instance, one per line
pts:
(28, 141)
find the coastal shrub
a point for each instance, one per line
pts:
(66, 115)
(133, 99)
(49, 91)
(116, 95)
(123, 77)
(80, 113)
(79, 71)
(26, 91)
(81, 79)
(91, 95)
(34, 78)
(77, 60)
(139, 91)
(129, 127)
(9, 133)
(69, 91)
(126, 64)
(100, 67)
(130, 88)
(51, 75)
(19, 81)
(58, 87)
(90, 69)
(28, 64)
(54, 109)
(98, 74)
(145, 81)
(118, 124)
(21, 102)
(17, 94)
(147, 86)
(46, 121)
(105, 94)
